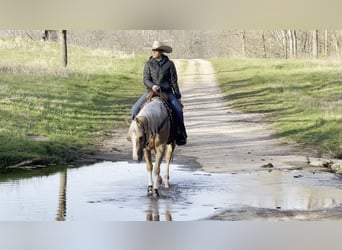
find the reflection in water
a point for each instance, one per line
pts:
(152, 212)
(61, 213)
(281, 190)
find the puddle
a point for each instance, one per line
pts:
(116, 191)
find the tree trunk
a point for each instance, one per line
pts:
(315, 43)
(305, 43)
(264, 44)
(337, 44)
(294, 40)
(289, 33)
(243, 43)
(292, 43)
(326, 43)
(64, 48)
(285, 43)
(50, 35)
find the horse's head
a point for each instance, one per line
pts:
(138, 136)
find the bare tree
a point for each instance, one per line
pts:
(336, 42)
(243, 42)
(263, 44)
(326, 43)
(292, 43)
(50, 35)
(315, 43)
(281, 36)
(294, 35)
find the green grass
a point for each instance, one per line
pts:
(301, 98)
(67, 109)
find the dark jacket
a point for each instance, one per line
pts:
(162, 73)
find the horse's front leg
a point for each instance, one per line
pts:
(157, 178)
(149, 167)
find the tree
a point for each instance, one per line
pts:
(315, 43)
(50, 35)
(264, 44)
(292, 43)
(336, 41)
(326, 45)
(243, 42)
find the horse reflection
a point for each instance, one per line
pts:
(61, 212)
(152, 212)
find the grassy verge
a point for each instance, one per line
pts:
(301, 98)
(51, 114)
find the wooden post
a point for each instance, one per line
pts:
(64, 48)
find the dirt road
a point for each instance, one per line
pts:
(219, 139)
(225, 140)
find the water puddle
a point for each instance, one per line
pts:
(116, 191)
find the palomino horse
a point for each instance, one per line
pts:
(150, 131)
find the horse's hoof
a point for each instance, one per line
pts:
(155, 193)
(167, 186)
(150, 190)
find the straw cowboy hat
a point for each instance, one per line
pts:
(157, 45)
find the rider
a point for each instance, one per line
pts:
(160, 75)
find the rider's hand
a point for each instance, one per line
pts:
(155, 88)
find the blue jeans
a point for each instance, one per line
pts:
(137, 105)
(175, 105)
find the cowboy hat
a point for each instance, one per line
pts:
(157, 45)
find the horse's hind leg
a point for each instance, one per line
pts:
(159, 156)
(168, 158)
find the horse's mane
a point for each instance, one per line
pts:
(153, 94)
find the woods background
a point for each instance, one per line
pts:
(204, 43)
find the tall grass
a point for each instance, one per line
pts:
(52, 114)
(301, 98)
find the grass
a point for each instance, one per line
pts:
(51, 114)
(301, 98)
(54, 115)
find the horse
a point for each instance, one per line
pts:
(150, 131)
